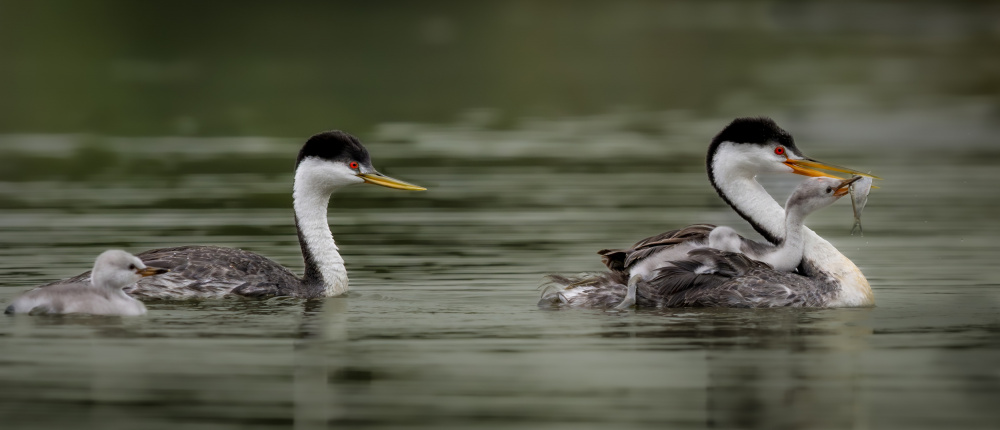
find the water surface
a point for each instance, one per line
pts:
(544, 132)
(441, 327)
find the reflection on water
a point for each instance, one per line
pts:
(544, 132)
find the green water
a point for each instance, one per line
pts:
(543, 133)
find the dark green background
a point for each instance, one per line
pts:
(287, 69)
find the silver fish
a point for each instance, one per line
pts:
(859, 198)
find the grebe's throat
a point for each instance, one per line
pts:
(324, 267)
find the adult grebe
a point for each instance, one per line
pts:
(743, 149)
(326, 162)
(811, 195)
(113, 271)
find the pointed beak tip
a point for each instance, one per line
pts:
(808, 166)
(385, 181)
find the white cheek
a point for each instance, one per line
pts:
(771, 165)
(327, 175)
(341, 175)
(123, 278)
(750, 160)
(781, 167)
(775, 163)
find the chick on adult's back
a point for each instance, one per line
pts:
(102, 295)
(810, 196)
(674, 274)
(662, 269)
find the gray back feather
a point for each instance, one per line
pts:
(208, 272)
(623, 259)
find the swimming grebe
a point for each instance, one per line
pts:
(811, 195)
(328, 161)
(741, 151)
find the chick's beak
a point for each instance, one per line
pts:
(150, 271)
(385, 181)
(845, 186)
(808, 166)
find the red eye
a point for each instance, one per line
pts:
(779, 150)
(354, 165)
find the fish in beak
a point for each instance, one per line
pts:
(845, 186)
(859, 198)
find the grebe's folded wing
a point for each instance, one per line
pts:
(714, 278)
(706, 268)
(622, 259)
(212, 271)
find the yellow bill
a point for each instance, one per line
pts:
(385, 181)
(150, 271)
(807, 167)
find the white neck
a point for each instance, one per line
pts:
(311, 198)
(740, 187)
(788, 254)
